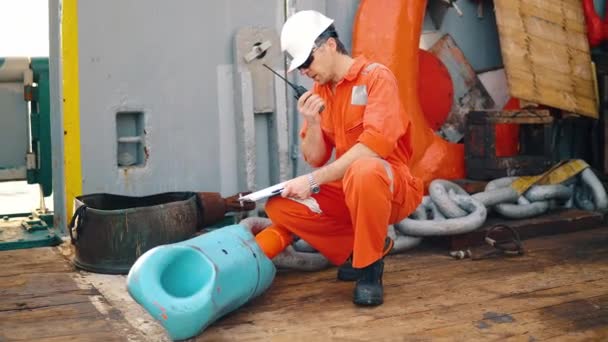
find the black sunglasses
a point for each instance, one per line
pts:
(308, 60)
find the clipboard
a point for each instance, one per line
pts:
(264, 193)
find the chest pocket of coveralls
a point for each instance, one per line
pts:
(354, 114)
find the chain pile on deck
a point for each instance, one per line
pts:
(450, 210)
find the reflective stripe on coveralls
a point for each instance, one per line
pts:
(353, 213)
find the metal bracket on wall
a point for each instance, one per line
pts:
(257, 93)
(257, 50)
(256, 46)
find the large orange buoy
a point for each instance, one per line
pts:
(435, 89)
(388, 32)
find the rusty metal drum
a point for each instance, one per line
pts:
(109, 232)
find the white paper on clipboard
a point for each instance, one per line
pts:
(264, 193)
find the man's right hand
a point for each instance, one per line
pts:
(309, 105)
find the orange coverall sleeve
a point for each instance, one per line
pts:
(382, 121)
(329, 144)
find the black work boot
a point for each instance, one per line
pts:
(346, 271)
(369, 290)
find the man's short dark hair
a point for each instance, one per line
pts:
(331, 32)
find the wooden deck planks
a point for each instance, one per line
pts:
(41, 299)
(558, 290)
(31, 261)
(583, 318)
(432, 297)
(546, 53)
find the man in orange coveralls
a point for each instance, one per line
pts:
(343, 208)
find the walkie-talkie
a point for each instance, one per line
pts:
(300, 90)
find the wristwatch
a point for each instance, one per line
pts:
(314, 187)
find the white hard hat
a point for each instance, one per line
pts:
(299, 34)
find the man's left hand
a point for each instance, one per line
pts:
(297, 188)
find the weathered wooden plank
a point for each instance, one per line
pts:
(553, 14)
(418, 299)
(407, 284)
(522, 116)
(553, 67)
(542, 77)
(578, 318)
(33, 261)
(519, 22)
(546, 53)
(68, 326)
(408, 276)
(36, 284)
(37, 255)
(29, 291)
(407, 318)
(39, 323)
(429, 296)
(571, 10)
(558, 58)
(552, 97)
(52, 299)
(48, 314)
(41, 300)
(96, 336)
(426, 265)
(33, 268)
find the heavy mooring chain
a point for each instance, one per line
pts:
(446, 212)
(474, 216)
(299, 256)
(450, 210)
